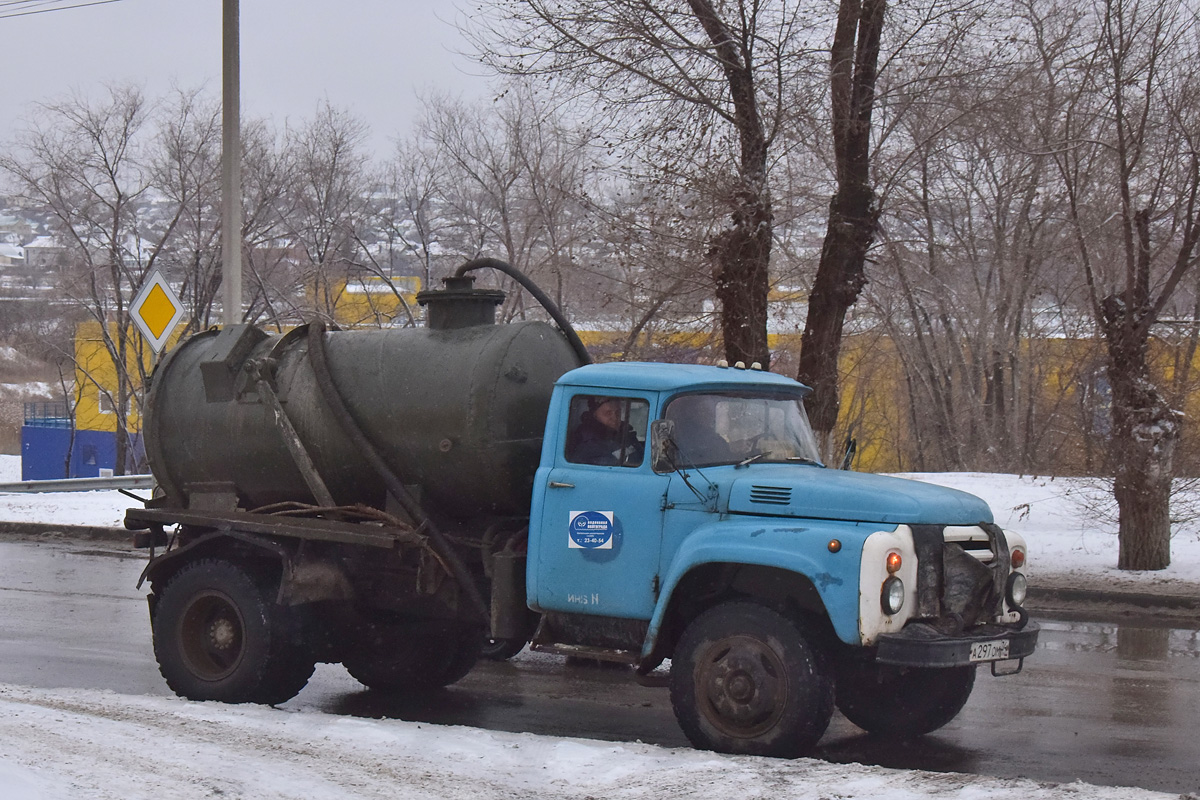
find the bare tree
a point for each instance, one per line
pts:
(511, 183)
(330, 186)
(413, 181)
(1121, 113)
(273, 266)
(853, 214)
(84, 161)
(186, 168)
(679, 78)
(968, 236)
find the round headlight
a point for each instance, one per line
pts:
(1017, 589)
(892, 597)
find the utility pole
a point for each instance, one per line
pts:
(231, 166)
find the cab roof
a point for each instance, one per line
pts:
(647, 376)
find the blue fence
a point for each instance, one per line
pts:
(44, 453)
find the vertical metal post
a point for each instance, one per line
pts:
(231, 166)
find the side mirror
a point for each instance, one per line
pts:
(662, 446)
(851, 449)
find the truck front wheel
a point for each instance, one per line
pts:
(218, 635)
(746, 679)
(902, 701)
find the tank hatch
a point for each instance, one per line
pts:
(460, 304)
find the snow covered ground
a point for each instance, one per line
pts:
(1067, 523)
(89, 745)
(98, 746)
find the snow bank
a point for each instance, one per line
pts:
(1071, 531)
(67, 744)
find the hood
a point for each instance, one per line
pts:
(818, 493)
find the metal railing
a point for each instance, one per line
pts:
(80, 484)
(47, 415)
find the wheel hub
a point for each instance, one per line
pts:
(742, 685)
(222, 633)
(211, 635)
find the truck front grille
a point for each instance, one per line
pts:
(973, 540)
(957, 576)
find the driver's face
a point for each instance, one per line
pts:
(609, 415)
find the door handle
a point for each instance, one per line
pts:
(561, 485)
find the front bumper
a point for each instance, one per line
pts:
(921, 646)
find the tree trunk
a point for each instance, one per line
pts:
(853, 215)
(840, 278)
(741, 256)
(1145, 434)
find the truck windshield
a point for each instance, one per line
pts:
(731, 427)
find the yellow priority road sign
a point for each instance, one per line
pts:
(156, 311)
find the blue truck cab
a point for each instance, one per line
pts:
(699, 525)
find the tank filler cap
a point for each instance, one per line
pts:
(460, 304)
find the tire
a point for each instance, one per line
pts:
(501, 649)
(748, 680)
(218, 635)
(885, 700)
(412, 656)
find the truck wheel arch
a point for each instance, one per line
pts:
(270, 555)
(707, 585)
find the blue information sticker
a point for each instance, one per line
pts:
(591, 530)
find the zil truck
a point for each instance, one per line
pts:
(391, 499)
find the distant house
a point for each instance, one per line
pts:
(11, 256)
(43, 253)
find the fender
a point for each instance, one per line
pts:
(171, 558)
(797, 545)
(302, 580)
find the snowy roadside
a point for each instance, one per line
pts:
(68, 744)
(1068, 546)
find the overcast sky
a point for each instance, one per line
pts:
(370, 56)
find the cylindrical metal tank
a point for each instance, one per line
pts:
(457, 410)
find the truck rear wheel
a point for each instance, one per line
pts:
(218, 635)
(902, 701)
(407, 656)
(746, 679)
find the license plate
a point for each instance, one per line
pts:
(996, 650)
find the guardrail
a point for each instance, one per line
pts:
(81, 484)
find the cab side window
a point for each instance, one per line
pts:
(607, 431)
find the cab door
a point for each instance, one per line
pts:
(600, 524)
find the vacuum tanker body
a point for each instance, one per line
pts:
(776, 587)
(456, 410)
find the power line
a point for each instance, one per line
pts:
(24, 8)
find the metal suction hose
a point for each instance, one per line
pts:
(542, 298)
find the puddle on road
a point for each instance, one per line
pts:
(1130, 643)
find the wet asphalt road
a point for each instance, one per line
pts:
(1105, 703)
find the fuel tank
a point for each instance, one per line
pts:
(457, 410)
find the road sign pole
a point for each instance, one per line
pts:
(231, 166)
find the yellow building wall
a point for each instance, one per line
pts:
(372, 300)
(94, 367)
